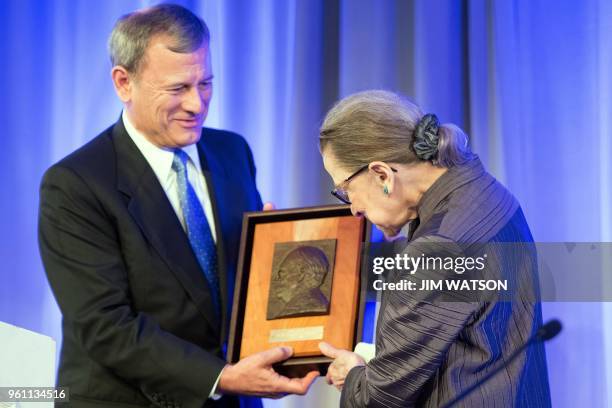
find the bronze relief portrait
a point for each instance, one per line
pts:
(301, 279)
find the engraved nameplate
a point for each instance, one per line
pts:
(297, 334)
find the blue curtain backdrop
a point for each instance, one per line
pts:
(530, 81)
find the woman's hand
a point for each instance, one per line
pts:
(344, 361)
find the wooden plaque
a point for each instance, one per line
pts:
(298, 283)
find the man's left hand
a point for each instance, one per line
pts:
(344, 361)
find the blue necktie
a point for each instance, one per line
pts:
(198, 230)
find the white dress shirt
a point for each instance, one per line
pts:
(160, 160)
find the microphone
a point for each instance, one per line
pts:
(549, 330)
(544, 333)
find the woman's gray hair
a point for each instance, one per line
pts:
(133, 32)
(383, 126)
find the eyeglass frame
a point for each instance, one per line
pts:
(336, 191)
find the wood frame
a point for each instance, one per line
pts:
(295, 366)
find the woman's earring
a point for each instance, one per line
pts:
(386, 190)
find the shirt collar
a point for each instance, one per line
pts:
(159, 158)
(454, 178)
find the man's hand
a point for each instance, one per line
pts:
(269, 206)
(254, 375)
(344, 360)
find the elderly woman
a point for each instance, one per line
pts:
(398, 167)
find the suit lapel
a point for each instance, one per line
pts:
(216, 176)
(150, 208)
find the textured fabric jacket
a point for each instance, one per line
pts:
(429, 350)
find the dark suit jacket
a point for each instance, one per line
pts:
(427, 350)
(138, 320)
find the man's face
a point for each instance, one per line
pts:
(169, 97)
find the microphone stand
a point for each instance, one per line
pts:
(544, 333)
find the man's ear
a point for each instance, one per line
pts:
(123, 82)
(383, 175)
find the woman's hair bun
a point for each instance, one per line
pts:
(426, 137)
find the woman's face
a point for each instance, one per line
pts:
(366, 192)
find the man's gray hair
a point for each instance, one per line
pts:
(133, 32)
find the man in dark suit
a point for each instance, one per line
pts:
(139, 232)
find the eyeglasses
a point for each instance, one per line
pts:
(340, 191)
